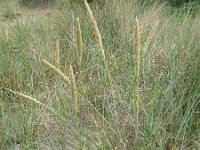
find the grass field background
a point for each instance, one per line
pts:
(124, 76)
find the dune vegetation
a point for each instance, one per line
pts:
(116, 74)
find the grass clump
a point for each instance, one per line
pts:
(128, 79)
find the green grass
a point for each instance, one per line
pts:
(97, 108)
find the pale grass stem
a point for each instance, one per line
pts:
(58, 72)
(138, 61)
(56, 54)
(25, 96)
(74, 90)
(79, 41)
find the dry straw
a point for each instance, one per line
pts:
(58, 72)
(74, 90)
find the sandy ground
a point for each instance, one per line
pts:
(24, 18)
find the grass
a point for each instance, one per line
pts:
(9, 10)
(121, 76)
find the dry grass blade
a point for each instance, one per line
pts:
(74, 90)
(58, 72)
(26, 97)
(97, 32)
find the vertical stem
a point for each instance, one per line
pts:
(57, 54)
(137, 74)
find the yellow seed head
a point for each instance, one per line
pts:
(97, 32)
(74, 90)
(58, 72)
(79, 41)
(26, 97)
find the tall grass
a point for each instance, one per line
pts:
(37, 3)
(101, 87)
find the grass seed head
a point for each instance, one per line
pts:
(97, 32)
(58, 72)
(74, 89)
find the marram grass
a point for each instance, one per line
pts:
(165, 65)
